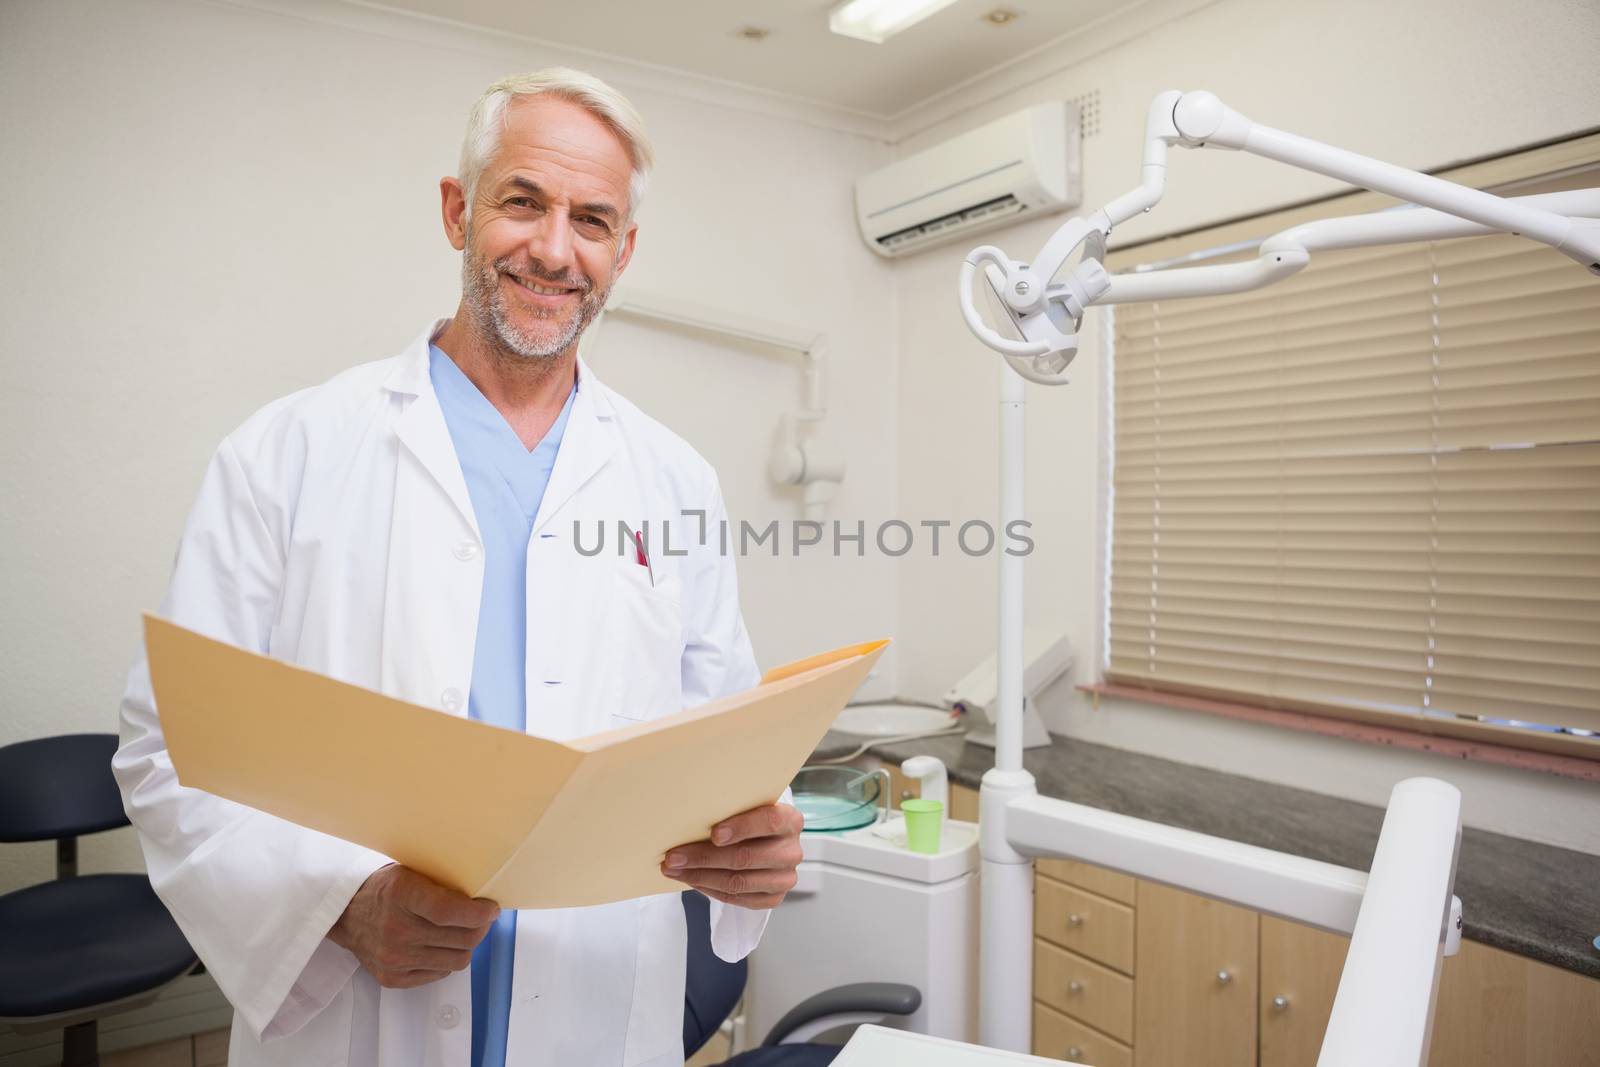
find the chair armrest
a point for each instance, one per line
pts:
(857, 999)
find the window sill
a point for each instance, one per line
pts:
(1455, 748)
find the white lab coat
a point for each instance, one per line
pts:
(334, 530)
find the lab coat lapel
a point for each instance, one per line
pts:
(423, 433)
(585, 447)
(435, 567)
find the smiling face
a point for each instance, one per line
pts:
(548, 233)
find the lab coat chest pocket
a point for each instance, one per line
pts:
(645, 634)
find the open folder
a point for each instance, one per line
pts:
(526, 822)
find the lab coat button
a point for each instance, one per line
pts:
(466, 551)
(449, 1016)
(451, 699)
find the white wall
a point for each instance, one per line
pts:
(208, 205)
(1423, 84)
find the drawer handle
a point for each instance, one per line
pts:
(1074, 919)
(1074, 1053)
(1223, 977)
(1280, 1003)
(1074, 986)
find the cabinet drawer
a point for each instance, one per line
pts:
(1083, 989)
(1119, 887)
(1064, 1038)
(1088, 925)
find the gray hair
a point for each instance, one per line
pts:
(585, 90)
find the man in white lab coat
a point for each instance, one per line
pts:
(352, 528)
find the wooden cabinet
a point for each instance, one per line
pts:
(1196, 999)
(900, 787)
(1494, 1007)
(963, 803)
(1135, 981)
(1300, 968)
(1498, 1008)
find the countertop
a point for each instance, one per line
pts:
(1535, 900)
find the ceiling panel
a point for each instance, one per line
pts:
(799, 57)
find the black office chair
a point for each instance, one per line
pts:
(77, 948)
(714, 987)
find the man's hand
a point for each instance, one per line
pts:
(749, 861)
(408, 930)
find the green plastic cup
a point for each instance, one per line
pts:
(923, 818)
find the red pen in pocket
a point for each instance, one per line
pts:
(642, 559)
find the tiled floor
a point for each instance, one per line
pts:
(715, 1051)
(211, 1050)
(201, 1050)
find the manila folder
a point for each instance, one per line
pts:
(522, 820)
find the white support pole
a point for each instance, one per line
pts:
(1301, 890)
(1292, 887)
(1202, 120)
(1383, 1012)
(1005, 946)
(1405, 225)
(1013, 460)
(1214, 280)
(1288, 252)
(1493, 212)
(1005, 930)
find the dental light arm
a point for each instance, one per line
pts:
(1407, 917)
(1047, 312)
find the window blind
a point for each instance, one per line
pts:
(1371, 490)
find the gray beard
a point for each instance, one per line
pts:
(486, 306)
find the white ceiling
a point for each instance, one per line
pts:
(799, 58)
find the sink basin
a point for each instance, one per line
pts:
(891, 720)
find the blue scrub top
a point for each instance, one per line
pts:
(506, 483)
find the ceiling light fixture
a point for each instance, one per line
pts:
(879, 20)
(752, 33)
(1000, 16)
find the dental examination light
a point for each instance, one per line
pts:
(1046, 312)
(1402, 914)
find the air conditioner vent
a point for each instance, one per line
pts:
(965, 219)
(1025, 162)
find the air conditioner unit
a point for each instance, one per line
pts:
(1025, 164)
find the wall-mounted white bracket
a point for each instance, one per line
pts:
(806, 460)
(802, 456)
